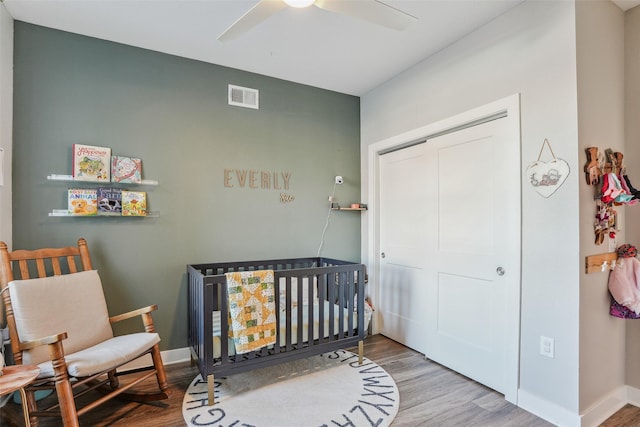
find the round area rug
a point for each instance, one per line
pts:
(327, 390)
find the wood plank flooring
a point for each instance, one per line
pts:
(430, 395)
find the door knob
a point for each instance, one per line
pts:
(500, 271)
(383, 255)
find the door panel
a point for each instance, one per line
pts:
(464, 208)
(451, 323)
(402, 207)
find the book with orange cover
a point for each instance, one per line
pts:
(134, 203)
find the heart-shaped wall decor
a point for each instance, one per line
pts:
(547, 177)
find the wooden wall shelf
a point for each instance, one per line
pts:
(337, 207)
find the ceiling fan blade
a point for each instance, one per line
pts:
(370, 10)
(258, 13)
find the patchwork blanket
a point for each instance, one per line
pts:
(252, 310)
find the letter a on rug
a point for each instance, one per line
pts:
(327, 390)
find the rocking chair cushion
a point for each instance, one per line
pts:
(106, 355)
(72, 303)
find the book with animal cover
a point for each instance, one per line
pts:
(126, 169)
(109, 201)
(82, 201)
(134, 203)
(91, 163)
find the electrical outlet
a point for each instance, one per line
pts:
(547, 346)
(331, 198)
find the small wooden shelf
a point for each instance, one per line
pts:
(69, 178)
(337, 207)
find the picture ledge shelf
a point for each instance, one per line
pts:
(69, 178)
(65, 213)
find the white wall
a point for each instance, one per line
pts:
(6, 121)
(529, 50)
(600, 53)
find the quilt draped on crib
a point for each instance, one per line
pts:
(252, 311)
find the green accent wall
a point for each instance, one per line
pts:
(173, 113)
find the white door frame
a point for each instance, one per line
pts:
(508, 107)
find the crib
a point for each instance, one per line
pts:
(320, 307)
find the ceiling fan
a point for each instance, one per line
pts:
(369, 10)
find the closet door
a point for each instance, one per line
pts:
(450, 250)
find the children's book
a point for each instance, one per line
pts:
(126, 169)
(109, 201)
(91, 163)
(82, 201)
(134, 203)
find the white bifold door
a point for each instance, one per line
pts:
(450, 249)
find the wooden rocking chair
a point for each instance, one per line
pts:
(58, 320)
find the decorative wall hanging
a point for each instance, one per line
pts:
(259, 180)
(547, 177)
(606, 172)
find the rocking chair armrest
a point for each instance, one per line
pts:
(51, 339)
(134, 313)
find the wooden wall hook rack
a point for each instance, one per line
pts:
(595, 263)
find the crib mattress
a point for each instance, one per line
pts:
(294, 326)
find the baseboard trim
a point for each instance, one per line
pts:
(597, 413)
(633, 396)
(592, 417)
(178, 355)
(169, 357)
(546, 410)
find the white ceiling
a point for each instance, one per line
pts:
(309, 46)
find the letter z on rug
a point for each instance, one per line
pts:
(326, 390)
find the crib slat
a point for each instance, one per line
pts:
(300, 311)
(350, 304)
(310, 310)
(279, 308)
(322, 300)
(331, 293)
(288, 327)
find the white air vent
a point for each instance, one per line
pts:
(243, 97)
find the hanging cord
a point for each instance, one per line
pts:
(546, 141)
(326, 225)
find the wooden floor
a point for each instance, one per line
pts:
(430, 395)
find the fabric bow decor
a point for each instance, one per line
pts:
(608, 170)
